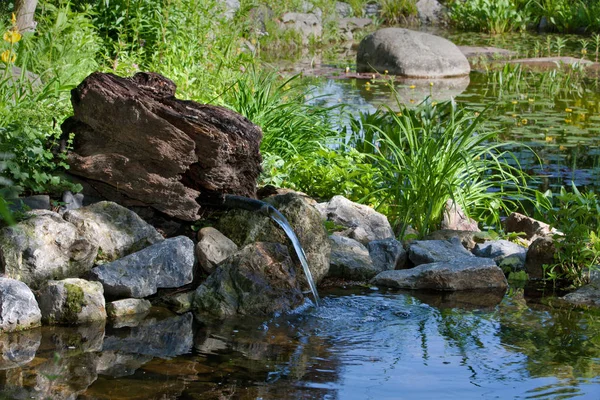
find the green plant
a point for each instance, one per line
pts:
(398, 11)
(438, 152)
(596, 38)
(559, 44)
(493, 16)
(576, 216)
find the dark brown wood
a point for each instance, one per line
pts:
(137, 144)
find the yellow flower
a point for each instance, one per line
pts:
(399, 114)
(412, 100)
(434, 103)
(8, 56)
(568, 110)
(562, 148)
(549, 139)
(583, 51)
(531, 100)
(514, 115)
(12, 36)
(568, 121)
(514, 102)
(524, 121)
(347, 69)
(385, 72)
(430, 83)
(367, 83)
(13, 19)
(412, 86)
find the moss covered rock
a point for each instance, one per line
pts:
(72, 301)
(18, 308)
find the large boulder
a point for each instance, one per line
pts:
(18, 308)
(466, 273)
(532, 228)
(454, 218)
(114, 229)
(508, 255)
(44, 246)
(258, 280)
(587, 295)
(306, 24)
(431, 251)
(362, 223)
(72, 301)
(136, 144)
(387, 254)
(245, 227)
(350, 260)
(540, 252)
(431, 12)
(166, 264)
(410, 53)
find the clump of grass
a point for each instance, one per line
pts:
(438, 152)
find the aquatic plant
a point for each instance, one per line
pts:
(493, 16)
(438, 152)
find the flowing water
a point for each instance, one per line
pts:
(360, 344)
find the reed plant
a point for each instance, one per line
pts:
(437, 152)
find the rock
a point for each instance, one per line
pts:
(119, 308)
(540, 252)
(73, 340)
(258, 280)
(44, 247)
(480, 299)
(64, 377)
(410, 53)
(507, 255)
(350, 260)
(244, 227)
(454, 218)
(25, 77)
(166, 264)
(18, 308)
(490, 53)
(431, 12)
(308, 7)
(136, 144)
(347, 26)
(71, 201)
(168, 337)
(71, 301)
(212, 248)
(18, 348)
(466, 273)
(546, 63)
(387, 254)
(118, 365)
(431, 251)
(467, 238)
(36, 202)
(231, 7)
(587, 295)
(308, 25)
(258, 18)
(178, 302)
(364, 223)
(344, 10)
(116, 230)
(372, 10)
(521, 223)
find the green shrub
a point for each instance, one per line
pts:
(576, 216)
(493, 16)
(438, 152)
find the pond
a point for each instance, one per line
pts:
(360, 344)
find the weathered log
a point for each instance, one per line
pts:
(136, 144)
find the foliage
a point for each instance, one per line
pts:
(5, 213)
(399, 11)
(568, 16)
(434, 153)
(493, 16)
(577, 216)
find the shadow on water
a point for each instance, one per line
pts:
(359, 344)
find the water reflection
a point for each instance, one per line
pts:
(358, 345)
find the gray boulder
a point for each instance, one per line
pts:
(244, 227)
(71, 201)
(43, 247)
(507, 255)
(35, 202)
(166, 264)
(18, 308)
(307, 24)
(347, 26)
(119, 308)
(410, 53)
(467, 238)
(387, 254)
(72, 301)
(587, 295)
(116, 230)
(231, 7)
(212, 248)
(258, 280)
(455, 218)
(344, 10)
(350, 260)
(431, 12)
(431, 251)
(362, 222)
(467, 273)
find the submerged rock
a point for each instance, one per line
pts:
(18, 348)
(466, 273)
(72, 301)
(245, 227)
(258, 280)
(18, 308)
(362, 222)
(43, 247)
(114, 229)
(410, 53)
(166, 264)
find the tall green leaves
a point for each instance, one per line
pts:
(434, 153)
